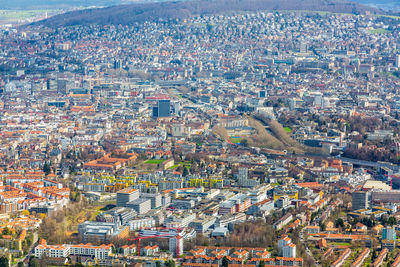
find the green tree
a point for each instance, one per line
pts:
(244, 142)
(225, 262)
(392, 221)
(170, 263)
(7, 231)
(323, 226)
(78, 262)
(384, 221)
(339, 223)
(262, 264)
(4, 262)
(46, 168)
(185, 171)
(373, 257)
(33, 262)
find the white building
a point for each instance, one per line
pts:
(285, 240)
(173, 245)
(98, 252)
(286, 247)
(62, 251)
(289, 251)
(53, 251)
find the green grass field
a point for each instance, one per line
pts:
(236, 140)
(17, 15)
(185, 164)
(154, 161)
(287, 129)
(173, 166)
(341, 244)
(378, 31)
(388, 16)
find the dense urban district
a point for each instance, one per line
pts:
(251, 139)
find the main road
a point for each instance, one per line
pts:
(365, 163)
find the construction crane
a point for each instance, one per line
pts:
(167, 235)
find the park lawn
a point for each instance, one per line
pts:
(15, 15)
(368, 261)
(341, 244)
(389, 16)
(174, 166)
(378, 31)
(287, 129)
(185, 164)
(236, 140)
(154, 161)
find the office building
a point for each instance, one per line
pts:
(165, 200)
(162, 109)
(126, 195)
(303, 47)
(173, 245)
(283, 202)
(388, 233)
(243, 178)
(201, 225)
(122, 215)
(177, 107)
(243, 174)
(155, 199)
(183, 204)
(359, 200)
(51, 84)
(140, 205)
(102, 231)
(117, 64)
(141, 223)
(181, 220)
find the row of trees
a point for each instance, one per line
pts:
(56, 228)
(246, 234)
(373, 154)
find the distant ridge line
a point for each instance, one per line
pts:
(140, 12)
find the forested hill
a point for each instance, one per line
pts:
(128, 14)
(388, 5)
